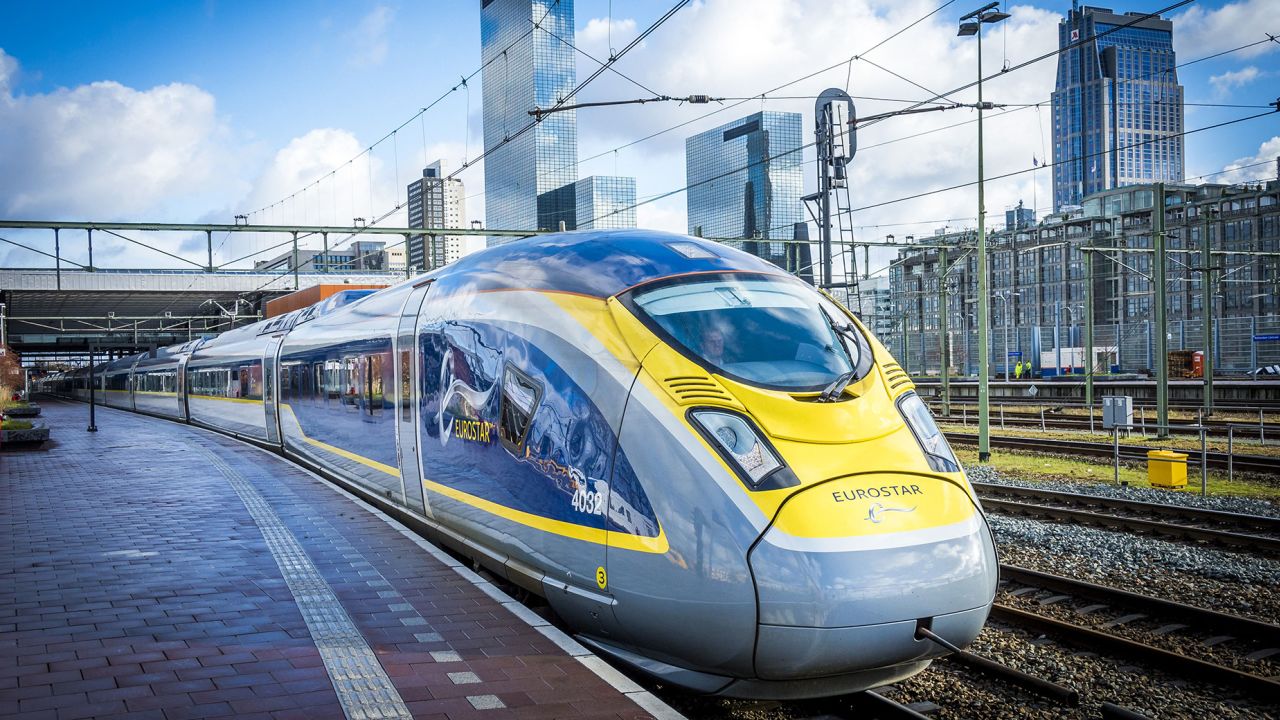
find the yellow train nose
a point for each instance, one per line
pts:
(864, 557)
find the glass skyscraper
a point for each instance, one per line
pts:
(1117, 108)
(605, 201)
(745, 180)
(528, 63)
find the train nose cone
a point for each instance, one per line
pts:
(850, 566)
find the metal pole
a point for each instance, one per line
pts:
(93, 384)
(1204, 462)
(1161, 359)
(1231, 464)
(324, 266)
(906, 348)
(90, 268)
(1090, 365)
(4, 338)
(1206, 292)
(208, 242)
(407, 270)
(1115, 452)
(57, 257)
(943, 348)
(1057, 337)
(824, 187)
(295, 259)
(984, 316)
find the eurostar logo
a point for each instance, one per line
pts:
(876, 509)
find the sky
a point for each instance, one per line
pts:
(198, 112)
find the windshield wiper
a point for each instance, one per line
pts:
(836, 388)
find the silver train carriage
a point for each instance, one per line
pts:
(709, 469)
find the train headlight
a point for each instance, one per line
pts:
(930, 437)
(741, 445)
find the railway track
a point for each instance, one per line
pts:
(1057, 421)
(1228, 650)
(1251, 533)
(1214, 460)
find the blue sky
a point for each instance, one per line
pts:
(197, 111)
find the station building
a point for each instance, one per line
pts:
(1038, 277)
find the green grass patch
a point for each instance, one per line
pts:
(1038, 467)
(16, 425)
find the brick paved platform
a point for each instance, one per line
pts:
(154, 570)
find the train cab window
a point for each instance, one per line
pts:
(764, 330)
(520, 396)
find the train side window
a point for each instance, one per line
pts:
(520, 397)
(351, 383)
(375, 387)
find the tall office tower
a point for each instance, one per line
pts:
(435, 202)
(745, 179)
(605, 201)
(1117, 108)
(528, 63)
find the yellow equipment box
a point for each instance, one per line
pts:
(1166, 469)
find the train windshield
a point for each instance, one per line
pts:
(762, 330)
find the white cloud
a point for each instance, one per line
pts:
(1249, 169)
(1204, 31)
(600, 32)
(369, 37)
(1223, 84)
(8, 66)
(106, 151)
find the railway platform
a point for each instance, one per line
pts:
(157, 570)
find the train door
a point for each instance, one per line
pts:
(271, 387)
(131, 385)
(184, 411)
(408, 392)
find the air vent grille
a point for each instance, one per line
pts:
(896, 376)
(690, 389)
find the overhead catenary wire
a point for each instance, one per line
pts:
(739, 101)
(1021, 65)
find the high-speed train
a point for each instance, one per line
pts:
(710, 469)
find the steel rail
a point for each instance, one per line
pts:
(1250, 543)
(1261, 523)
(1214, 428)
(872, 704)
(1215, 460)
(1242, 627)
(1182, 665)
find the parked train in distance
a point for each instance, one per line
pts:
(711, 470)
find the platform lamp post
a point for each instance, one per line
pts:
(93, 384)
(971, 24)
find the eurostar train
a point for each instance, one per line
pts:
(711, 470)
